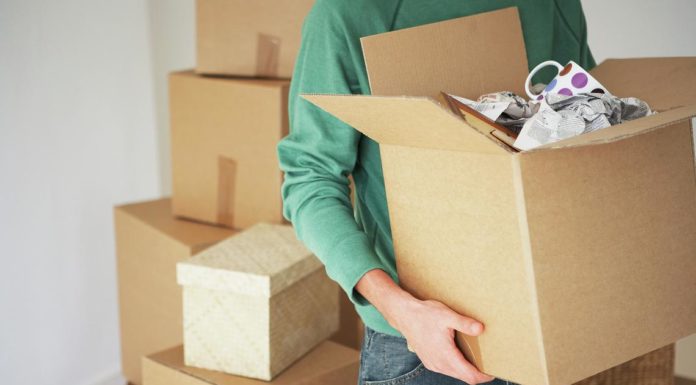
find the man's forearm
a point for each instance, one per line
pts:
(384, 294)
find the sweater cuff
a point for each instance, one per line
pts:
(349, 261)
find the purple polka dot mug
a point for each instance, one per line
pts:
(571, 80)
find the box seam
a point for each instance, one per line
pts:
(525, 241)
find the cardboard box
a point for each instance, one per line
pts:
(249, 37)
(149, 243)
(578, 255)
(654, 368)
(351, 328)
(255, 303)
(328, 364)
(223, 136)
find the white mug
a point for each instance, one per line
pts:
(570, 80)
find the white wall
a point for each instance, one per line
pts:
(77, 135)
(172, 32)
(635, 28)
(84, 125)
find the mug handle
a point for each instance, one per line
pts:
(535, 70)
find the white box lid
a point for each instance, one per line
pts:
(261, 261)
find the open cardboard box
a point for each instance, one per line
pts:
(578, 255)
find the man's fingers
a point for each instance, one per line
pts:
(463, 369)
(466, 325)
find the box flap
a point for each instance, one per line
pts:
(625, 130)
(468, 56)
(261, 261)
(664, 83)
(406, 121)
(158, 215)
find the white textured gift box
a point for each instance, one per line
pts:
(255, 303)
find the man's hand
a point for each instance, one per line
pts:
(428, 326)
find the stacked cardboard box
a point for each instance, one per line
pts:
(249, 38)
(328, 364)
(224, 133)
(225, 178)
(149, 243)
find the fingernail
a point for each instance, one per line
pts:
(475, 328)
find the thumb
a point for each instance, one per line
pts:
(466, 325)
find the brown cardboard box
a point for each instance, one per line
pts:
(654, 368)
(328, 364)
(350, 332)
(578, 255)
(224, 136)
(149, 243)
(249, 37)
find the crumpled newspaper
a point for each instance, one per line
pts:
(505, 108)
(562, 116)
(517, 109)
(557, 116)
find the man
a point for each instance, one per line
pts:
(321, 152)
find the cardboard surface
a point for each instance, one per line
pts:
(351, 329)
(578, 256)
(654, 368)
(400, 121)
(149, 243)
(256, 302)
(619, 241)
(664, 83)
(247, 37)
(329, 363)
(223, 136)
(428, 59)
(450, 239)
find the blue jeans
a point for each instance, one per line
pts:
(385, 360)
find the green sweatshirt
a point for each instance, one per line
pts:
(321, 152)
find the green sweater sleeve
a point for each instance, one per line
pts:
(320, 153)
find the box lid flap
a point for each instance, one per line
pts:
(664, 82)
(261, 261)
(468, 56)
(406, 121)
(625, 130)
(158, 215)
